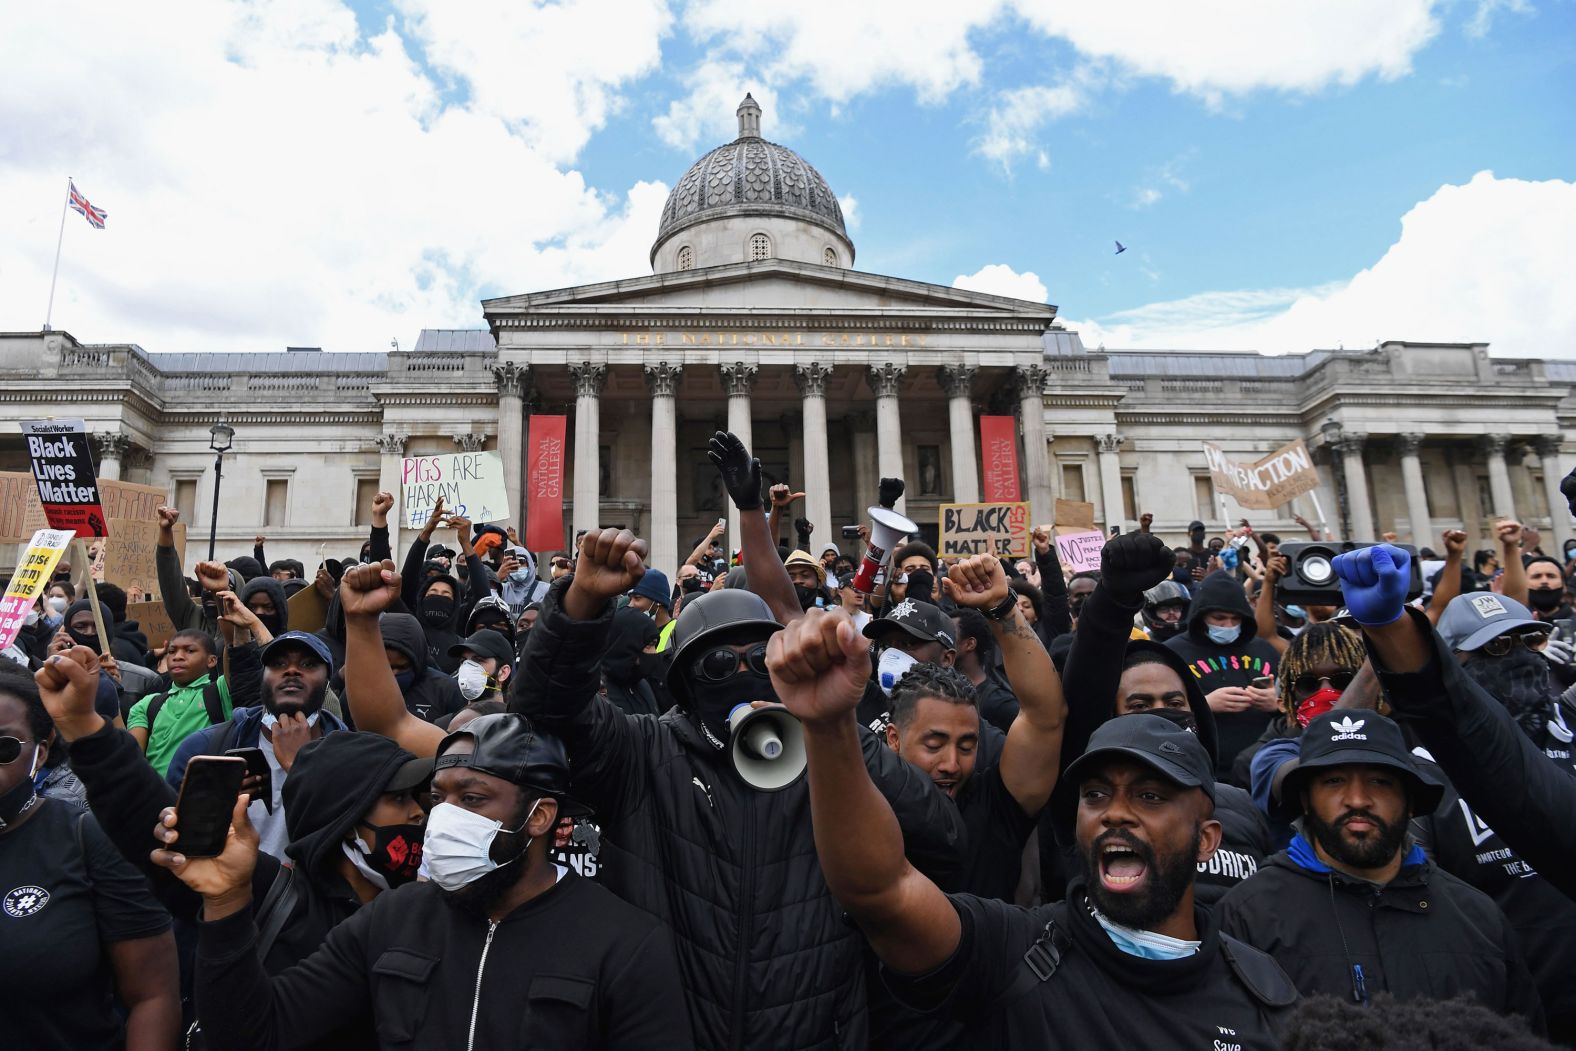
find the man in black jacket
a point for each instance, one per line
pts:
(766, 957)
(1127, 961)
(429, 694)
(1354, 908)
(502, 949)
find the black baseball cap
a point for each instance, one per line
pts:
(485, 642)
(920, 619)
(1349, 736)
(507, 746)
(1171, 750)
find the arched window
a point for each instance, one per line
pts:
(829, 257)
(760, 247)
(686, 258)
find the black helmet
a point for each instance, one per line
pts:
(730, 612)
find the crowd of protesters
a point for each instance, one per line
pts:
(501, 799)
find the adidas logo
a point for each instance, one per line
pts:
(1346, 729)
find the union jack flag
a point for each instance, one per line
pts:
(96, 216)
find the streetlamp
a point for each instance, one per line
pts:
(1331, 430)
(222, 434)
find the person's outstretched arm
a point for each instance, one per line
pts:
(819, 665)
(177, 600)
(1264, 610)
(1449, 585)
(379, 536)
(705, 545)
(763, 567)
(1057, 617)
(376, 704)
(1513, 584)
(416, 556)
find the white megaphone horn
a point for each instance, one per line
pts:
(886, 529)
(767, 746)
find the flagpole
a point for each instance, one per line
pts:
(50, 312)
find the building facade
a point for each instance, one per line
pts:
(755, 320)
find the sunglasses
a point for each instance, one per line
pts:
(10, 750)
(723, 662)
(1500, 645)
(1303, 685)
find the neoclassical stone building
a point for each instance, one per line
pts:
(755, 319)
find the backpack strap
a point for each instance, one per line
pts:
(213, 702)
(1258, 972)
(1040, 962)
(153, 709)
(276, 907)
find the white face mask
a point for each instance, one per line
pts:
(892, 666)
(456, 849)
(271, 720)
(472, 678)
(57, 604)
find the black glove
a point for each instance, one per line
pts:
(1132, 563)
(891, 492)
(741, 472)
(1568, 487)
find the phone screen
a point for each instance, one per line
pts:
(207, 799)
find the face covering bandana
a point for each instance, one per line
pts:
(712, 702)
(1545, 600)
(457, 847)
(22, 797)
(270, 719)
(394, 857)
(405, 679)
(921, 584)
(1223, 636)
(1316, 704)
(473, 680)
(893, 665)
(436, 610)
(1520, 681)
(809, 598)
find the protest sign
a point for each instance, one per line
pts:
(63, 471)
(544, 504)
(21, 515)
(1267, 483)
(129, 556)
(153, 620)
(999, 455)
(308, 609)
(1074, 515)
(28, 582)
(471, 484)
(1080, 551)
(1000, 529)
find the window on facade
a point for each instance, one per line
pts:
(829, 257)
(1203, 497)
(1485, 494)
(1129, 498)
(1540, 496)
(366, 492)
(186, 498)
(760, 247)
(1072, 481)
(276, 493)
(604, 462)
(686, 258)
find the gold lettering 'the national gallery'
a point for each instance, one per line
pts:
(772, 339)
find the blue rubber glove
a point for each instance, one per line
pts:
(1374, 582)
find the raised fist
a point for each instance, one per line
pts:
(369, 590)
(978, 582)
(819, 664)
(611, 562)
(213, 576)
(168, 516)
(1132, 563)
(891, 491)
(1374, 582)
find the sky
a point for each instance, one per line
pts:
(1284, 176)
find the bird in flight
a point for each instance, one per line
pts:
(1120, 248)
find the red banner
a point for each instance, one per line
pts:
(999, 457)
(544, 497)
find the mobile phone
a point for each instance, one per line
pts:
(208, 793)
(1116, 530)
(257, 766)
(851, 532)
(1264, 682)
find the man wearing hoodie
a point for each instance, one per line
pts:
(438, 609)
(265, 597)
(518, 578)
(130, 645)
(1226, 657)
(428, 693)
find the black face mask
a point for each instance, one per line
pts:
(396, 852)
(921, 584)
(436, 611)
(22, 796)
(1520, 681)
(85, 638)
(652, 665)
(809, 598)
(1075, 605)
(1545, 600)
(690, 585)
(711, 702)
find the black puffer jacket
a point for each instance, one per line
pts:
(431, 694)
(766, 956)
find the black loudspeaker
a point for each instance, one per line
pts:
(1311, 581)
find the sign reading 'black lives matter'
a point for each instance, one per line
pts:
(63, 471)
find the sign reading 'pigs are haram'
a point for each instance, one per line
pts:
(471, 485)
(985, 529)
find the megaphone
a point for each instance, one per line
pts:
(887, 528)
(767, 746)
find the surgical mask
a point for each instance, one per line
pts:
(1316, 704)
(457, 847)
(30, 619)
(57, 605)
(1223, 636)
(394, 857)
(1146, 945)
(271, 720)
(1545, 600)
(892, 666)
(519, 576)
(23, 796)
(472, 678)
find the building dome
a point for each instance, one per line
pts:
(744, 184)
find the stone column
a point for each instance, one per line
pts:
(811, 381)
(886, 380)
(1493, 448)
(957, 381)
(1107, 448)
(1547, 447)
(662, 380)
(1358, 508)
(512, 379)
(738, 379)
(1416, 493)
(392, 446)
(112, 445)
(589, 380)
(1036, 455)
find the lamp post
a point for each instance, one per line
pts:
(1332, 441)
(222, 434)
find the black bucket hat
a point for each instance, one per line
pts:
(1348, 737)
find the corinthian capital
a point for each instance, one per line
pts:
(662, 379)
(886, 379)
(392, 444)
(589, 379)
(738, 379)
(956, 380)
(112, 445)
(512, 378)
(1031, 381)
(811, 379)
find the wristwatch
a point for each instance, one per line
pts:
(1004, 609)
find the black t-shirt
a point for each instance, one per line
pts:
(61, 905)
(998, 829)
(998, 704)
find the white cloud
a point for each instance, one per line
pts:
(850, 205)
(999, 279)
(1016, 117)
(1162, 181)
(1482, 19)
(708, 115)
(276, 179)
(1488, 261)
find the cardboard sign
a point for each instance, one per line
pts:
(21, 514)
(153, 620)
(999, 457)
(128, 557)
(1267, 484)
(63, 471)
(308, 610)
(1075, 515)
(1080, 551)
(1000, 529)
(29, 580)
(471, 484)
(544, 503)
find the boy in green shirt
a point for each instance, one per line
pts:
(190, 658)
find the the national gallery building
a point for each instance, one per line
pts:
(756, 318)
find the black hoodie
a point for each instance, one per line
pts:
(621, 678)
(277, 624)
(440, 636)
(1233, 664)
(430, 694)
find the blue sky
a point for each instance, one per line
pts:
(393, 162)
